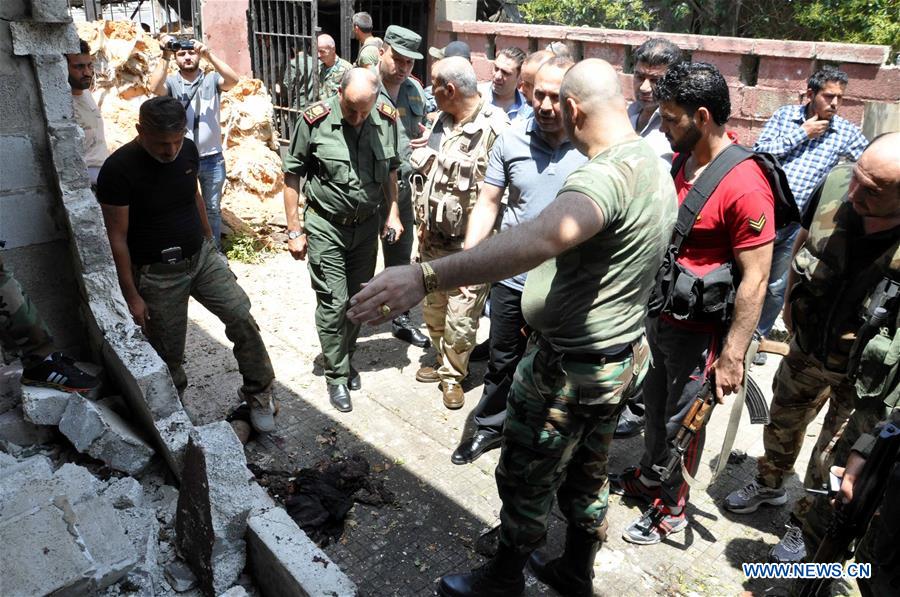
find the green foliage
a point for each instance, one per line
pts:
(856, 21)
(612, 14)
(853, 21)
(245, 248)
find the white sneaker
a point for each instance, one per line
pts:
(262, 410)
(750, 497)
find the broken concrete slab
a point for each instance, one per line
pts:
(124, 493)
(213, 506)
(95, 429)
(285, 562)
(73, 481)
(10, 386)
(66, 144)
(17, 474)
(16, 430)
(142, 529)
(180, 577)
(44, 406)
(104, 539)
(41, 556)
(235, 591)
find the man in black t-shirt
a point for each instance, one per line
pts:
(162, 245)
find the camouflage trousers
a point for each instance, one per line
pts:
(801, 387)
(452, 320)
(560, 420)
(21, 328)
(205, 276)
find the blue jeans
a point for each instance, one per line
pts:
(212, 180)
(781, 261)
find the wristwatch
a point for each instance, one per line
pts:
(429, 278)
(292, 234)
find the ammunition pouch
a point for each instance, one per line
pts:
(879, 364)
(683, 295)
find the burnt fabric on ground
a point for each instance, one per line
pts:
(319, 498)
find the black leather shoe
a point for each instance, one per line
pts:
(629, 424)
(501, 576)
(340, 398)
(403, 329)
(472, 447)
(355, 382)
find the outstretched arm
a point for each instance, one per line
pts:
(567, 222)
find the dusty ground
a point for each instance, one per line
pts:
(407, 435)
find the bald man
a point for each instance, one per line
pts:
(844, 267)
(346, 149)
(331, 67)
(592, 255)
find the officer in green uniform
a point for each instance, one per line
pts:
(846, 266)
(331, 67)
(346, 149)
(398, 55)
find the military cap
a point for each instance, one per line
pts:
(454, 48)
(403, 41)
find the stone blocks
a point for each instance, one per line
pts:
(10, 386)
(35, 39)
(213, 507)
(95, 429)
(14, 429)
(44, 406)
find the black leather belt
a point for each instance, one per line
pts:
(612, 354)
(341, 220)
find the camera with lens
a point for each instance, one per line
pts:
(173, 45)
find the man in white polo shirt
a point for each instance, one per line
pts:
(87, 114)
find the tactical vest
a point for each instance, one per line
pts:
(826, 291)
(446, 180)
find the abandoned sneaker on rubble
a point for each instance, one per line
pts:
(60, 372)
(262, 410)
(655, 524)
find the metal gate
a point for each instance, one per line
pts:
(283, 55)
(412, 14)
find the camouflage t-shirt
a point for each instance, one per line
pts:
(594, 296)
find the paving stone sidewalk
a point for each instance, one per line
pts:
(407, 435)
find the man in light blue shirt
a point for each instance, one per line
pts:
(531, 159)
(808, 140)
(503, 88)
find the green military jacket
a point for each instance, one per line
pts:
(368, 53)
(344, 168)
(410, 104)
(829, 301)
(330, 77)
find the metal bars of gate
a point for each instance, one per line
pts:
(283, 56)
(412, 14)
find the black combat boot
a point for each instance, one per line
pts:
(501, 576)
(572, 575)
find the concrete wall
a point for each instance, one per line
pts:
(762, 74)
(225, 31)
(31, 219)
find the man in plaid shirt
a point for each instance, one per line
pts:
(808, 140)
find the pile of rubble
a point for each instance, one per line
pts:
(101, 519)
(124, 57)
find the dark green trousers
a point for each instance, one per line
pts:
(399, 253)
(340, 259)
(21, 328)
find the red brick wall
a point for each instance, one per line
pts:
(225, 31)
(783, 68)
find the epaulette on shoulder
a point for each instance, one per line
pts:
(315, 113)
(412, 77)
(388, 111)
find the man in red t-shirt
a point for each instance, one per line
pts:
(736, 225)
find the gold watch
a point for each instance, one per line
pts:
(429, 277)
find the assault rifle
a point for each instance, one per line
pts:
(690, 426)
(851, 520)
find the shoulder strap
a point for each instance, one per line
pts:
(706, 184)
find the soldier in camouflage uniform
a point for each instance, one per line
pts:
(369, 45)
(331, 67)
(846, 263)
(595, 250)
(449, 173)
(398, 87)
(346, 149)
(23, 331)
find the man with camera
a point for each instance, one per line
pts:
(199, 94)
(162, 246)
